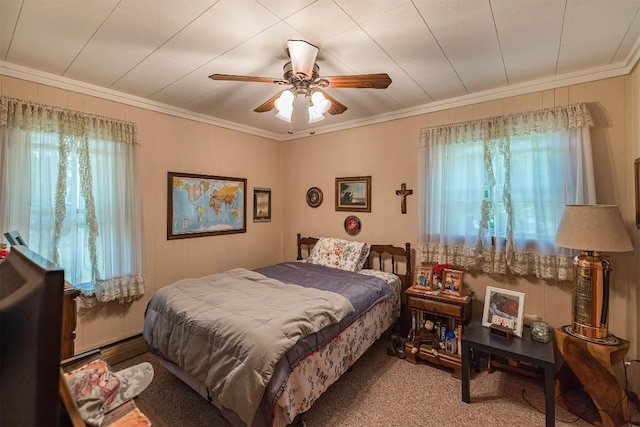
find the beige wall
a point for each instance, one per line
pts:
(176, 144)
(385, 151)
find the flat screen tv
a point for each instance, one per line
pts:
(31, 291)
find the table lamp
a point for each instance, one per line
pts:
(592, 229)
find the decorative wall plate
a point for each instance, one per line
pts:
(352, 225)
(314, 197)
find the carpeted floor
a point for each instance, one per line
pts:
(380, 390)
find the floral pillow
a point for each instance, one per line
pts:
(339, 253)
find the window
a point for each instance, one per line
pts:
(69, 185)
(492, 191)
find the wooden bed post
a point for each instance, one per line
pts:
(299, 250)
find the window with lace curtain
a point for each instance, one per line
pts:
(69, 186)
(492, 191)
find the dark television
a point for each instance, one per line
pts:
(31, 291)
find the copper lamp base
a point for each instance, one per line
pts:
(610, 339)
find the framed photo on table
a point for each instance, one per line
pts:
(353, 194)
(505, 308)
(452, 282)
(423, 277)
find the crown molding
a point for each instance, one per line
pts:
(614, 70)
(24, 73)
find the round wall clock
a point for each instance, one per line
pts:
(352, 225)
(314, 197)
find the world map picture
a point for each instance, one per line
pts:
(204, 205)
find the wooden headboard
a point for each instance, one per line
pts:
(381, 257)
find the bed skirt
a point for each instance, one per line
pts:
(324, 366)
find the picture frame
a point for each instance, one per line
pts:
(353, 194)
(504, 307)
(452, 282)
(352, 225)
(636, 175)
(423, 277)
(261, 204)
(205, 205)
(314, 197)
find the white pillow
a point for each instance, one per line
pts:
(339, 253)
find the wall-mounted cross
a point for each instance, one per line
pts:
(403, 192)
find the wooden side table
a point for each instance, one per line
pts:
(477, 337)
(454, 309)
(69, 318)
(586, 384)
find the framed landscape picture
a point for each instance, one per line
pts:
(205, 205)
(353, 194)
(505, 308)
(261, 204)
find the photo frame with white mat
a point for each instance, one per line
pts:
(504, 307)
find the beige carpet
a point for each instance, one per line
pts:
(380, 390)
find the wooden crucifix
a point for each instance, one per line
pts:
(403, 193)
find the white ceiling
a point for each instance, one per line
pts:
(437, 52)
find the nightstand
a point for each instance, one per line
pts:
(454, 310)
(69, 318)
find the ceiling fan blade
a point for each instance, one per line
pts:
(303, 57)
(269, 104)
(336, 107)
(235, 78)
(368, 81)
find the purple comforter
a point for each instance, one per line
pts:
(361, 290)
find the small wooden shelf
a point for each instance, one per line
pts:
(454, 309)
(444, 358)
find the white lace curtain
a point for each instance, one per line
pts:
(69, 185)
(492, 191)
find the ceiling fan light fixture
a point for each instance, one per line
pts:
(314, 116)
(284, 105)
(303, 57)
(320, 104)
(285, 115)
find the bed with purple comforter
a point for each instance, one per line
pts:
(263, 344)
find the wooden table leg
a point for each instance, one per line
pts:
(587, 386)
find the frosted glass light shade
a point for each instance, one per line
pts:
(284, 105)
(314, 116)
(303, 56)
(320, 104)
(598, 228)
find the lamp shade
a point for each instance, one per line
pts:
(597, 228)
(284, 105)
(320, 104)
(303, 56)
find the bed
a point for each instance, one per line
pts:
(310, 320)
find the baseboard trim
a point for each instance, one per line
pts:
(123, 350)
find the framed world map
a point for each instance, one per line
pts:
(205, 205)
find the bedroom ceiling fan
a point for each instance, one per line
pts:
(302, 76)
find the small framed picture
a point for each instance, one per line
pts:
(505, 308)
(452, 282)
(353, 194)
(423, 277)
(261, 204)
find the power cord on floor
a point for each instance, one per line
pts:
(578, 416)
(625, 365)
(542, 412)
